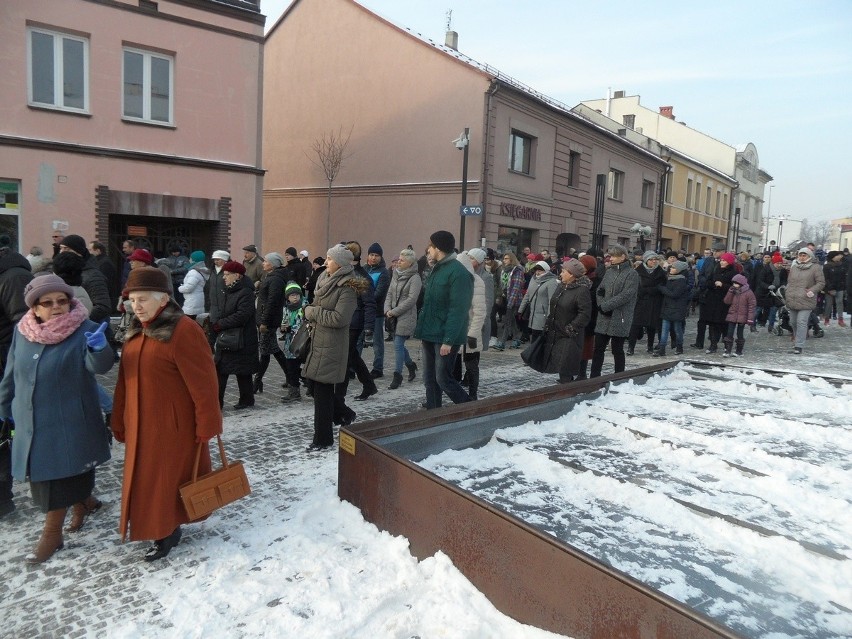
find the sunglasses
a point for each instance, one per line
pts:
(52, 303)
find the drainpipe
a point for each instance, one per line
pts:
(483, 179)
(664, 185)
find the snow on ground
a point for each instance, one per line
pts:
(732, 495)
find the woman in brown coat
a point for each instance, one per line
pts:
(335, 300)
(166, 403)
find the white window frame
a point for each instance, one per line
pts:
(58, 70)
(146, 86)
(615, 185)
(648, 194)
(527, 152)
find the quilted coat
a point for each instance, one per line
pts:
(616, 297)
(166, 395)
(801, 279)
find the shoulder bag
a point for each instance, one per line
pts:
(300, 345)
(231, 339)
(202, 495)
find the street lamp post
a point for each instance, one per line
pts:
(463, 144)
(768, 212)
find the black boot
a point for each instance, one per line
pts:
(258, 383)
(729, 346)
(397, 381)
(293, 395)
(660, 352)
(162, 547)
(473, 386)
(740, 346)
(368, 392)
(412, 371)
(584, 367)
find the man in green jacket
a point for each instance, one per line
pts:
(442, 324)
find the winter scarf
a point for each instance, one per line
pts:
(326, 281)
(53, 330)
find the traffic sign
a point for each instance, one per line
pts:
(471, 209)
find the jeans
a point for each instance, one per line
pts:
(438, 376)
(402, 356)
(799, 322)
(675, 327)
(379, 343)
(105, 399)
(732, 327)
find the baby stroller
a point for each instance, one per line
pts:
(784, 315)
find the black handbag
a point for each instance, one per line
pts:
(534, 355)
(231, 339)
(390, 323)
(300, 345)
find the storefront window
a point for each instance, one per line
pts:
(9, 219)
(513, 240)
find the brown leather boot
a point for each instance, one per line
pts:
(80, 511)
(51, 537)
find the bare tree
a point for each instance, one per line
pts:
(330, 151)
(820, 232)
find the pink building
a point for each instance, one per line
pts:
(131, 119)
(334, 66)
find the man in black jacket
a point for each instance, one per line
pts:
(94, 282)
(106, 267)
(14, 276)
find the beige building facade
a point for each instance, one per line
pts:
(131, 119)
(332, 66)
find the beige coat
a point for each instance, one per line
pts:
(335, 300)
(801, 279)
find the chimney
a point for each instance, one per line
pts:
(618, 94)
(666, 112)
(452, 40)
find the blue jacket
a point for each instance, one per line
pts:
(51, 392)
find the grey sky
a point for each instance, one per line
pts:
(778, 74)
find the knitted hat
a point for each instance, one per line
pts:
(806, 251)
(409, 255)
(221, 255)
(146, 278)
(590, 263)
(477, 254)
(575, 267)
(319, 261)
(197, 256)
(44, 284)
(274, 258)
(544, 266)
(444, 241)
(376, 248)
(304, 253)
(340, 254)
(490, 254)
(615, 250)
(251, 248)
(291, 250)
(141, 255)
(679, 266)
(76, 244)
(729, 258)
(776, 259)
(291, 288)
(651, 255)
(740, 279)
(234, 267)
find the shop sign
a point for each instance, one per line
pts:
(519, 212)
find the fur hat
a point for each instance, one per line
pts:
(730, 258)
(679, 266)
(251, 248)
(444, 241)
(44, 284)
(376, 248)
(146, 278)
(141, 255)
(477, 254)
(575, 267)
(340, 254)
(832, 254)
(76, 244)
(740, 279)
(291, 250)
(197, 256)
(590, 263)
(221, 255)
(274, 258)
(615, 250)
(234, 267)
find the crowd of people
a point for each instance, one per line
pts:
(243, 313)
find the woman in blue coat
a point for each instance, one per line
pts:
(50, 391)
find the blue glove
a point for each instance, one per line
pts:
(97, 341)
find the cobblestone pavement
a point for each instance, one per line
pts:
(96, 581)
